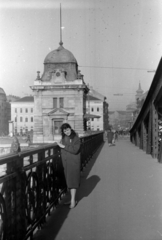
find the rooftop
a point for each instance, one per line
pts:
(26, 99)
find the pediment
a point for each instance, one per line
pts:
(58, 111)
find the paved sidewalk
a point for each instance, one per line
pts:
(120, 198)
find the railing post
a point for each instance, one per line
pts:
(21, 223)
(144, 138)
(154, 132)
(14, 194)
(138, 138)
(149, 139)
(160, 153)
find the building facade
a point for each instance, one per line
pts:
(59, 97)
(95, 111)
(98, 113)
(4, 113)
(22, 115)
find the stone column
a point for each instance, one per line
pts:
(79, 115)
(11, 128)
(38, 118)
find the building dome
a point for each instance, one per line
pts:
(2, 91)
(60, 55)
(2, 94)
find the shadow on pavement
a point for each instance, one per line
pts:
(87, 187)
(88, 183)
(57, 218)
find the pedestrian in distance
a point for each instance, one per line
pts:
(110, 137)
(15, 146)
(114, 138)
(28, 139)
(70, 154)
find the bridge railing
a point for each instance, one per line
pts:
(32, 185)
(146, 132)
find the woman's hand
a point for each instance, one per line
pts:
(61, 145)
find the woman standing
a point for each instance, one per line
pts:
(70, 153)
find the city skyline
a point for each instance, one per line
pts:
(115, 44)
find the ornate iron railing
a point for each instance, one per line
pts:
(146, 132)
(32, 185)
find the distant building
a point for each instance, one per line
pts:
(12, 98)
(94, 113)
(118, 119)
(59, 96)
(4, 113)
(22, 115)
(134, 108)
(97, 112)
(139, 92)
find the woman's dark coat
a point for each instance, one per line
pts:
(71, 160)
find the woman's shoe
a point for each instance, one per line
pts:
(73, 206)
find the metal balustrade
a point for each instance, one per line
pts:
(32, 186)
(146, 132)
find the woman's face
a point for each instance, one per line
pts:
(67, 131)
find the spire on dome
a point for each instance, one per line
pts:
(60, 43)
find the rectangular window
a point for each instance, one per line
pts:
(31, 110)
(26, 110)
(21, 119)
(21, 110)
(98, 109)
(15, 110)
(57, 125)
(92, 109)
(31, 119)
(54, 102)
(26, 119)
(15, 119)
(61, 103)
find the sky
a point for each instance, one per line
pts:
(117, 43)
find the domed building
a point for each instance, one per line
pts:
(4, 113)
(59, 96)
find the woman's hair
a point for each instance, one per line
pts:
(65, 126)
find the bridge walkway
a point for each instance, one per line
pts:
(120, 198)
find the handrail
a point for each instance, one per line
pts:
(33, 184)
